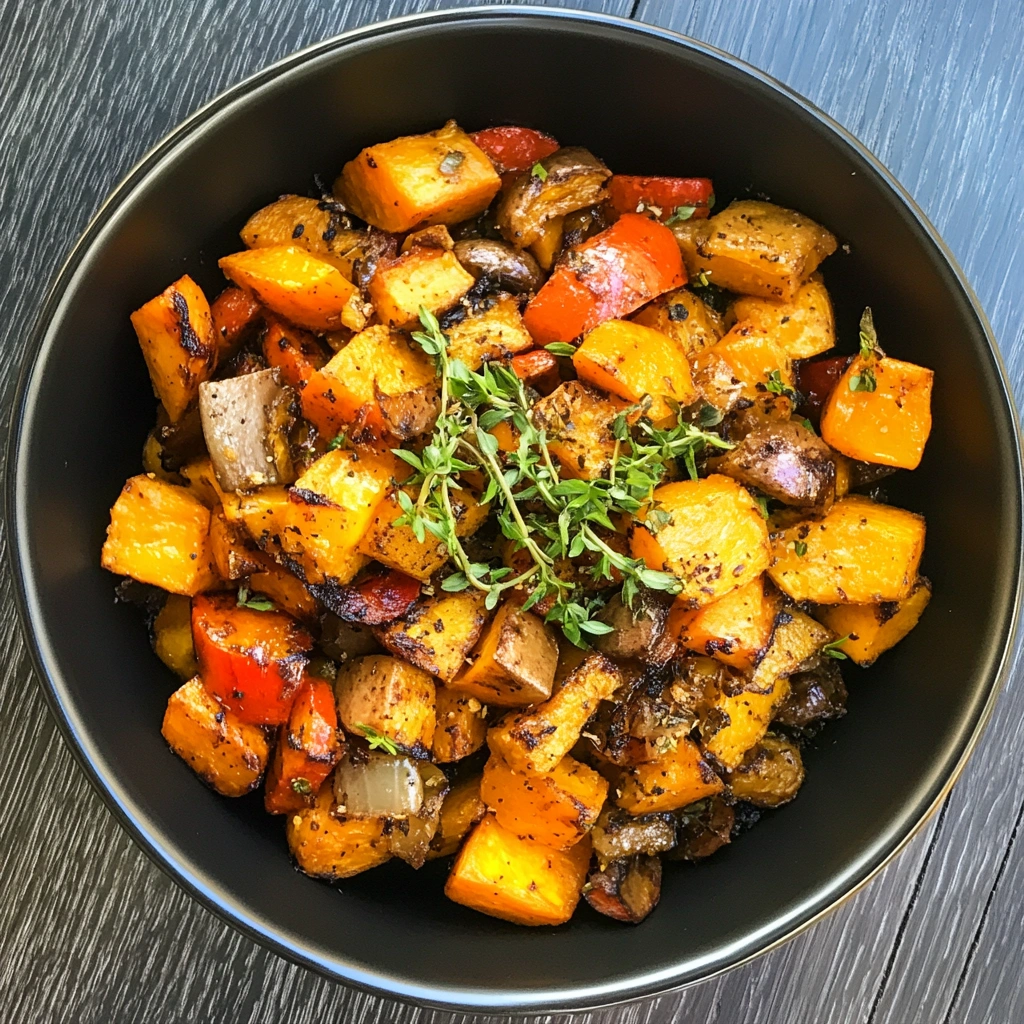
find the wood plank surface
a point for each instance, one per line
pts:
(89, 930)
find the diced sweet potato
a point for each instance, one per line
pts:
(422, 277)
(862, 552)
(297, 285)
(578, 422)
(873, 628)
(441, 177)
(308, 747)
(378, 383)
(736, 629)
(514, 663)
(717, 540)
(398, 547)
(771, 773)
(736, 722)
(685, 318)
(499, 874)
(287, 591)
(160, 534)
(172, 636)
(630, 360)
(389, 696)
(332, 846)
(251, 661)
(461, 810)
(235, 553)
(880, 411)
(229, 755)
(804, 327)
(743, 367)
(295, 353)
(676, 778)
(201, 481)
(537, 740)
(175, 331)
(557, 809)
(438, 632)
(758, 248)
(796, 639)
(233, 312)
(316, 526)
(461, 727)
(493, 333)
(380, 597)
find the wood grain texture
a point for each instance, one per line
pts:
(89, 930)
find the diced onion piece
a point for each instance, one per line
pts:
(382, 785)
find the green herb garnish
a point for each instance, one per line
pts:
(255, 602)
(376, 740)
(550, 518)
(832, 650)
(800, 548)
(703, 278)
(808, 425)
(869, 347)
(679, 214)
(561, 348)
(864, 381)
(762, 504)
(336, 442)
(777, 386)
(301, 786)
(538, 171)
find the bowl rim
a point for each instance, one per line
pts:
(129, 816)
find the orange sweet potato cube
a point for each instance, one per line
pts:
(716, 542)
(303, 288)
(499, 874)
(175, 331)
(160, 534)
(630, 360)
(421, 277)
(228, 754)
(805, 326)
(888, 424)
(677, 778)
(557, 809)
(441, 177)
(461, 727)
(736, 629)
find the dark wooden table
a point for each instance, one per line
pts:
(89, 929)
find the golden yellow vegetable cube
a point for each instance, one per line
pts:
(422, 277)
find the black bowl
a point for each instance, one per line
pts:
(646, 101)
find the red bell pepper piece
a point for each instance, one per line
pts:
(233, 311)
(606, 277)
(377, 599)
(513, 149)
(815, 379)
(631, 193)
(308, 747)
(251, 661)
(538, 368)
(297, 354)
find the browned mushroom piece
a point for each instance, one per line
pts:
(814, 697)
(498, 262)
(617, 834)
(627, 890)
(637, 632)
(703, 828)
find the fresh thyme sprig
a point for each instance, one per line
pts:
(552, 519)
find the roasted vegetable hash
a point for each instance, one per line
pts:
(505, 509)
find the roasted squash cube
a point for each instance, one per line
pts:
(736, 629)
(234, 311)
(630, 360)
(441, 177)
(537, 740)
(758, 248)
(873, 628)
(390, 697)
(296, 354)
(862, 552)
(160, 534)
(797, 638)
(514, 663)
(229, 755)
(461, 726)
(499, 874)
(286, 590)
(684, 317)
(422, 277)
(736, 722)
(378, 383)
(557, 809)
(493, 333)
(888, 424)
(716, 542)
(578, 422)
(397, 546)
(676, 778)
(438, 632)
(295, 284)
(172, 636)
(175, 331)
(461, 810)
(235, 553)
(803, 327)
(326, 844)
